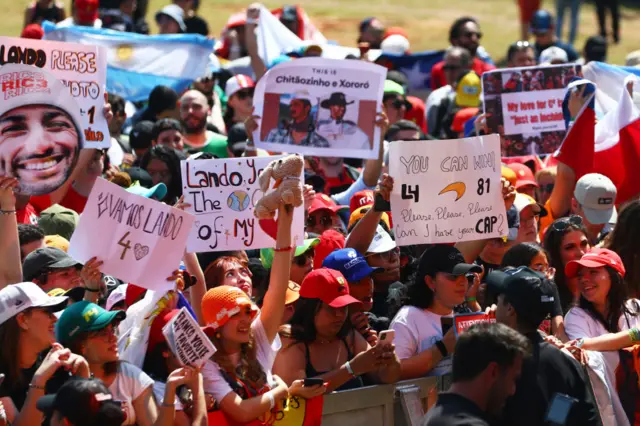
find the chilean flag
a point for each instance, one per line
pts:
(610, 146)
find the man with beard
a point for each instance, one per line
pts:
(465, 32)
(300, 128)
(194, 111)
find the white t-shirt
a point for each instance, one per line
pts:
(214, 382)
(158, 392)
(68, 22)
(130, 382)
(416, 331)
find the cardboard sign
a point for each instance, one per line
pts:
(462, 322)
(525, 107)
(81, 68)
(222, 194)
(187, 341)
(140, 241)
(447, 191)
(320, 107)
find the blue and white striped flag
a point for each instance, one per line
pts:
(137, 63)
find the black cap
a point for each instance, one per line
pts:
(289, 13)
(140, 175)
(46, 258)
(141, 135)
(443, 258)
(530, 293)
(83, 402)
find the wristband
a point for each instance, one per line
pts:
(34, 386)
(7, 212)
(471, 299)
(442, 348)
(165, 404)
(272, 400)
(347, 365)
(634, 334)
(282, 249)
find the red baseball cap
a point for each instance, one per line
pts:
(330, 240)
(595, 258)
(328, 285)
(361, 199)
(133, 294)
(155, 332)
(33, 31)
(524, 175)
(324, 202)
(87, 10)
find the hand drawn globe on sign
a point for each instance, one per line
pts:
(238, 201)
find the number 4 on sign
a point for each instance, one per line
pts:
(410, 193)
(126, 245)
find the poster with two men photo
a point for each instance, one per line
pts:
(320, 107)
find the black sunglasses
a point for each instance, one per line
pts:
(451, 67)
(244, 94)
(398, 103)
(324, 221)
(562, 224)
(303, 259)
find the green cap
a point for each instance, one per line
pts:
(393, 87)
(266, 254)
(81, 317)
(217, 146)
(58, 220)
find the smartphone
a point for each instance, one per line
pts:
(385, 338)
(315, 381)
(380, 204)
(559, 409)
(447, 323)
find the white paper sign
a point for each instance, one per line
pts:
(222, 194)
(321, 107)
(447, 191)
(187, 341)
(82, 68)
(140, 241)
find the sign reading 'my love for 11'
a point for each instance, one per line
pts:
(222, 194)
(447, 191)
(140, 241)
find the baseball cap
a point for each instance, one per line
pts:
(324, 202)
(443, 258)
(87, 10)
(330, 240)
(84, 316)
(361, 199)
(155, 332)
(359, 213)
(396, 44)
(116, 296)
(530, 293)
(382, 242)
(46, 258)
(83, 402)
(509, 175)
(33, 31)
(57, 241)
(553, 55)
(595, 258)
(58, 220)
(76, 294)
(524, 175)
(391, 87)
(221, 303)
(289, 13)
(468, 90)
(236, 83)
(141, 135)
(141, 176)
(174, 12)
(541, 22)
(523, 200)
(597, 196)
(293, 293)
(328, 285)
(266, 254)
(15, 298)
(157, 192)
(350, 263)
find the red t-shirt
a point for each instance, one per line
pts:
(438, 79)
(27, 215)
(417, 113)
(72, 200)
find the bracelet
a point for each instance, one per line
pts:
(164, 404)
(442, 348)
(34, 386)
(272, 400)
(283, 249)
(7, 212)
(471, 299)
(634, 334)
(347, 365)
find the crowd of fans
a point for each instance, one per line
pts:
(561, 286)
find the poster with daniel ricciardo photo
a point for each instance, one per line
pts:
(320, 107)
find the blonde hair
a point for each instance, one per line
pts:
(549, 171)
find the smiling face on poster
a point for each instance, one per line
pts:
(40, 129)
(320, 107)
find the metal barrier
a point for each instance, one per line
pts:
(401, 404)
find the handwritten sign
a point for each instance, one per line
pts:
(447, 191)
(525, 107)
(462, 322)
(320, 107)
(81, 68)
(222, 194)
(140, 241)
(187, 341)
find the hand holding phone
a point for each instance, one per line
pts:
(385, 338)
(313, 381)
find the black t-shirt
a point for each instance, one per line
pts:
(196, 25)
(455, 410)
(547, 372)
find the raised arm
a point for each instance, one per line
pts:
(253, 15)
(11, 264)
(373, 168)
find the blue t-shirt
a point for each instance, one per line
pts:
(571, 52)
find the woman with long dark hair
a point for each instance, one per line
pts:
(239, 91)
(320, 328)
(625, 240)
(163, 164)
(603, 307)
(566, 240)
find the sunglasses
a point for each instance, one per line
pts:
(472, 33)
(325, 220)
(303, 259)
(387, 255)
(562, 224)
(451, 67)
(244, 94)
(397, 103)
(548, 188)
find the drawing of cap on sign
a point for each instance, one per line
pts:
(458, 187)
(40, 129)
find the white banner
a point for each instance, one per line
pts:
(187, 341)
(447, 191)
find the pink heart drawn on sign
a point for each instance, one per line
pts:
(140, 251)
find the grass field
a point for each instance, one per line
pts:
(427, 21)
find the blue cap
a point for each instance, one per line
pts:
(352, 264)
(542, 21)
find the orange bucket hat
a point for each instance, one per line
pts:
(221, 303)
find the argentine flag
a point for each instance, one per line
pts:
(137, 63)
